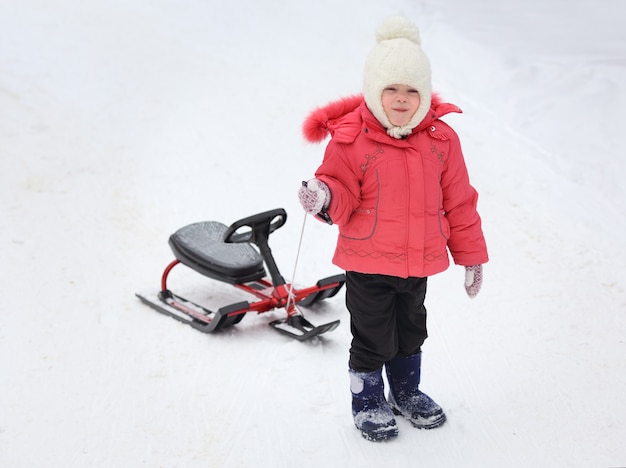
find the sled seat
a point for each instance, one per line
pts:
(200, 246)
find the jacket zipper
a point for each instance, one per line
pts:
(408, 214)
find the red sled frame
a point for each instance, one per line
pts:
(274, 294)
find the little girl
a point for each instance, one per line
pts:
(395, 182)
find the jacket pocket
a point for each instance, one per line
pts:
(362, 224)
(444, 226)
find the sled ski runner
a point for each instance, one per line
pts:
(227, 254)
(300, 328)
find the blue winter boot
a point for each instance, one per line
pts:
(372, 414)
(405, 397)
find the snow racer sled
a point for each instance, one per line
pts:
(227, 254)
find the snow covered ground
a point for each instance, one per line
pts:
(122, 121)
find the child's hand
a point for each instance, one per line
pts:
(314, 196)
(473, 279)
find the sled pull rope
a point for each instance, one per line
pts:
(291, 298)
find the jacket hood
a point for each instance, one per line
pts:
(337, 118)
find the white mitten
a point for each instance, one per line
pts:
(473, 279)
(314, 196)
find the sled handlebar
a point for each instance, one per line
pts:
(255, 228)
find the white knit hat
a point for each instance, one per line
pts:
(397, 58)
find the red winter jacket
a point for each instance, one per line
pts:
(399, 203)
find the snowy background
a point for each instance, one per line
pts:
(122, 121)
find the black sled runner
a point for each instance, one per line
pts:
(227, 254)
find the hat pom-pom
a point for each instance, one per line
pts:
(398, 27)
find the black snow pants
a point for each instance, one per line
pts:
(387, 318)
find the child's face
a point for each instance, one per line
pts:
(400, 102)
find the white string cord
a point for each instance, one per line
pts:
(291, 299)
